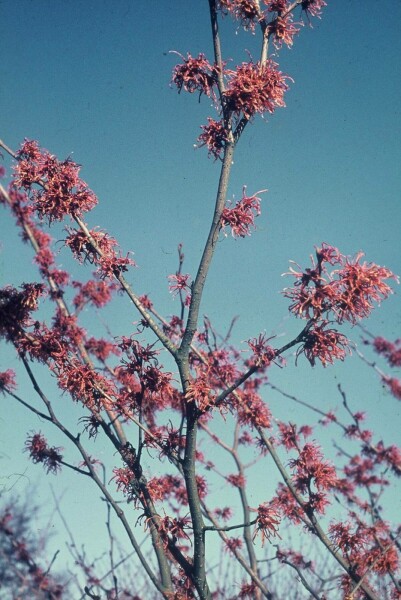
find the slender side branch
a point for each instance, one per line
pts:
(237, 554)
(8, 150)
(218, 59)
(198, 284)
(161, 586)
(316, 528)
(302, 579)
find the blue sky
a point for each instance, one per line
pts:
(91, 80)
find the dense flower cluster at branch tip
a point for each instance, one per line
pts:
(289, 436)
(85, 385)
(345, 293)
(200, 392)
(124, 478)
(252, 87)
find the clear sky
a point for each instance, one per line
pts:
(91, 80)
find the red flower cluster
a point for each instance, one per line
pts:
(245, 11)
(390, 350)
(15, 308)
(236, 480)
(248, 12)
(44, 258)
(101, 348)
(233, 544)
(263, 353)
(100, 249)
(394, 386)
(241, 218)
(390, 456)
(68, 330)
(144, 385)
(362, 472)
(289, 436)
(283, 30)
(54, 186)
(214, 137)
(367, 547)
(313, 7)
(167, 486)
(310, 468)
(293, 557)
(7, 381)
(278, 6)
(124, 478)
(199, 390)
(223, 513)
(195, 74)
(247, 591)
(357, 287)
(41, 452)
(172, 529)
(267, 521)
(345, 293)
(83, 249)
(94, 292)
(252, 87)
(179, 283)
(146, 302)
(251, 409)
(256, 88)
(287, 504)
(323, 344)
(44, 344)
(86, 385)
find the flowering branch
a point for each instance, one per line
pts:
(316, 528)
(162, 587)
